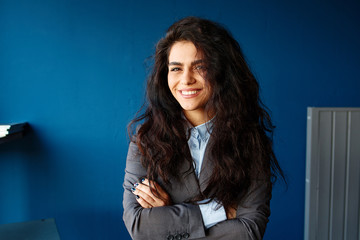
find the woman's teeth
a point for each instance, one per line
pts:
(188, 92)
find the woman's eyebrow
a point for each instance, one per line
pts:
(197, 62)
(175, 63)
(180, 64)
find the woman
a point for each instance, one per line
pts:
(201, 164)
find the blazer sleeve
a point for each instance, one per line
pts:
(179, 221)
(252, 216)
(184, 221)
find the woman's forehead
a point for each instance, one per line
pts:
(184, 51)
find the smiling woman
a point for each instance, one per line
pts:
(186, 79)
(201, 166)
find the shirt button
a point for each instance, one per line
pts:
(186, 235)
(178, 237)
(170, 237)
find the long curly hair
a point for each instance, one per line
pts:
(241, 138)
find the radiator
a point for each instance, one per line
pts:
(332, 184)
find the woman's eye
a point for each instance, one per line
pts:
(175, 69)
(200, 68)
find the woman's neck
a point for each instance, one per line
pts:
(197, 118)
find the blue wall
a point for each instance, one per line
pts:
(75, 71)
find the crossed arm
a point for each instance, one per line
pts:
(154, 217)
(145, 195)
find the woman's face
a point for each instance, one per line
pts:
(186, 78)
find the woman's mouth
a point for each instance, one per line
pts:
(189, 93)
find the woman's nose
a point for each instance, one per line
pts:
(187, 78)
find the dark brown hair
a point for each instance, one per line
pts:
(241, 139)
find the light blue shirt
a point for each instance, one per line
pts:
(199, 138)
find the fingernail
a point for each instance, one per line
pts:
(133, 189)
(137, 196)
(136, 184)
(143, 179)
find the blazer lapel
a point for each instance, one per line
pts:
(189, 179)
(206, 168)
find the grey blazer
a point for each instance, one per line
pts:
(183, 220)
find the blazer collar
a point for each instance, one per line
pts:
(192, 183)
(206, 168)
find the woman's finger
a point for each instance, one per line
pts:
(230, 212)
(152, 193)
(142, 202)
(154, 186)
(162, 194)
(144, 192)
(144, 181)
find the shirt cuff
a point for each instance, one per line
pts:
(210, 214)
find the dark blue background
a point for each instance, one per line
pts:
(75, 71)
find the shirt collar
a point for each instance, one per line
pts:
(203, 130)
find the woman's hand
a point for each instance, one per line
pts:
(148, 199)
(230, 212)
